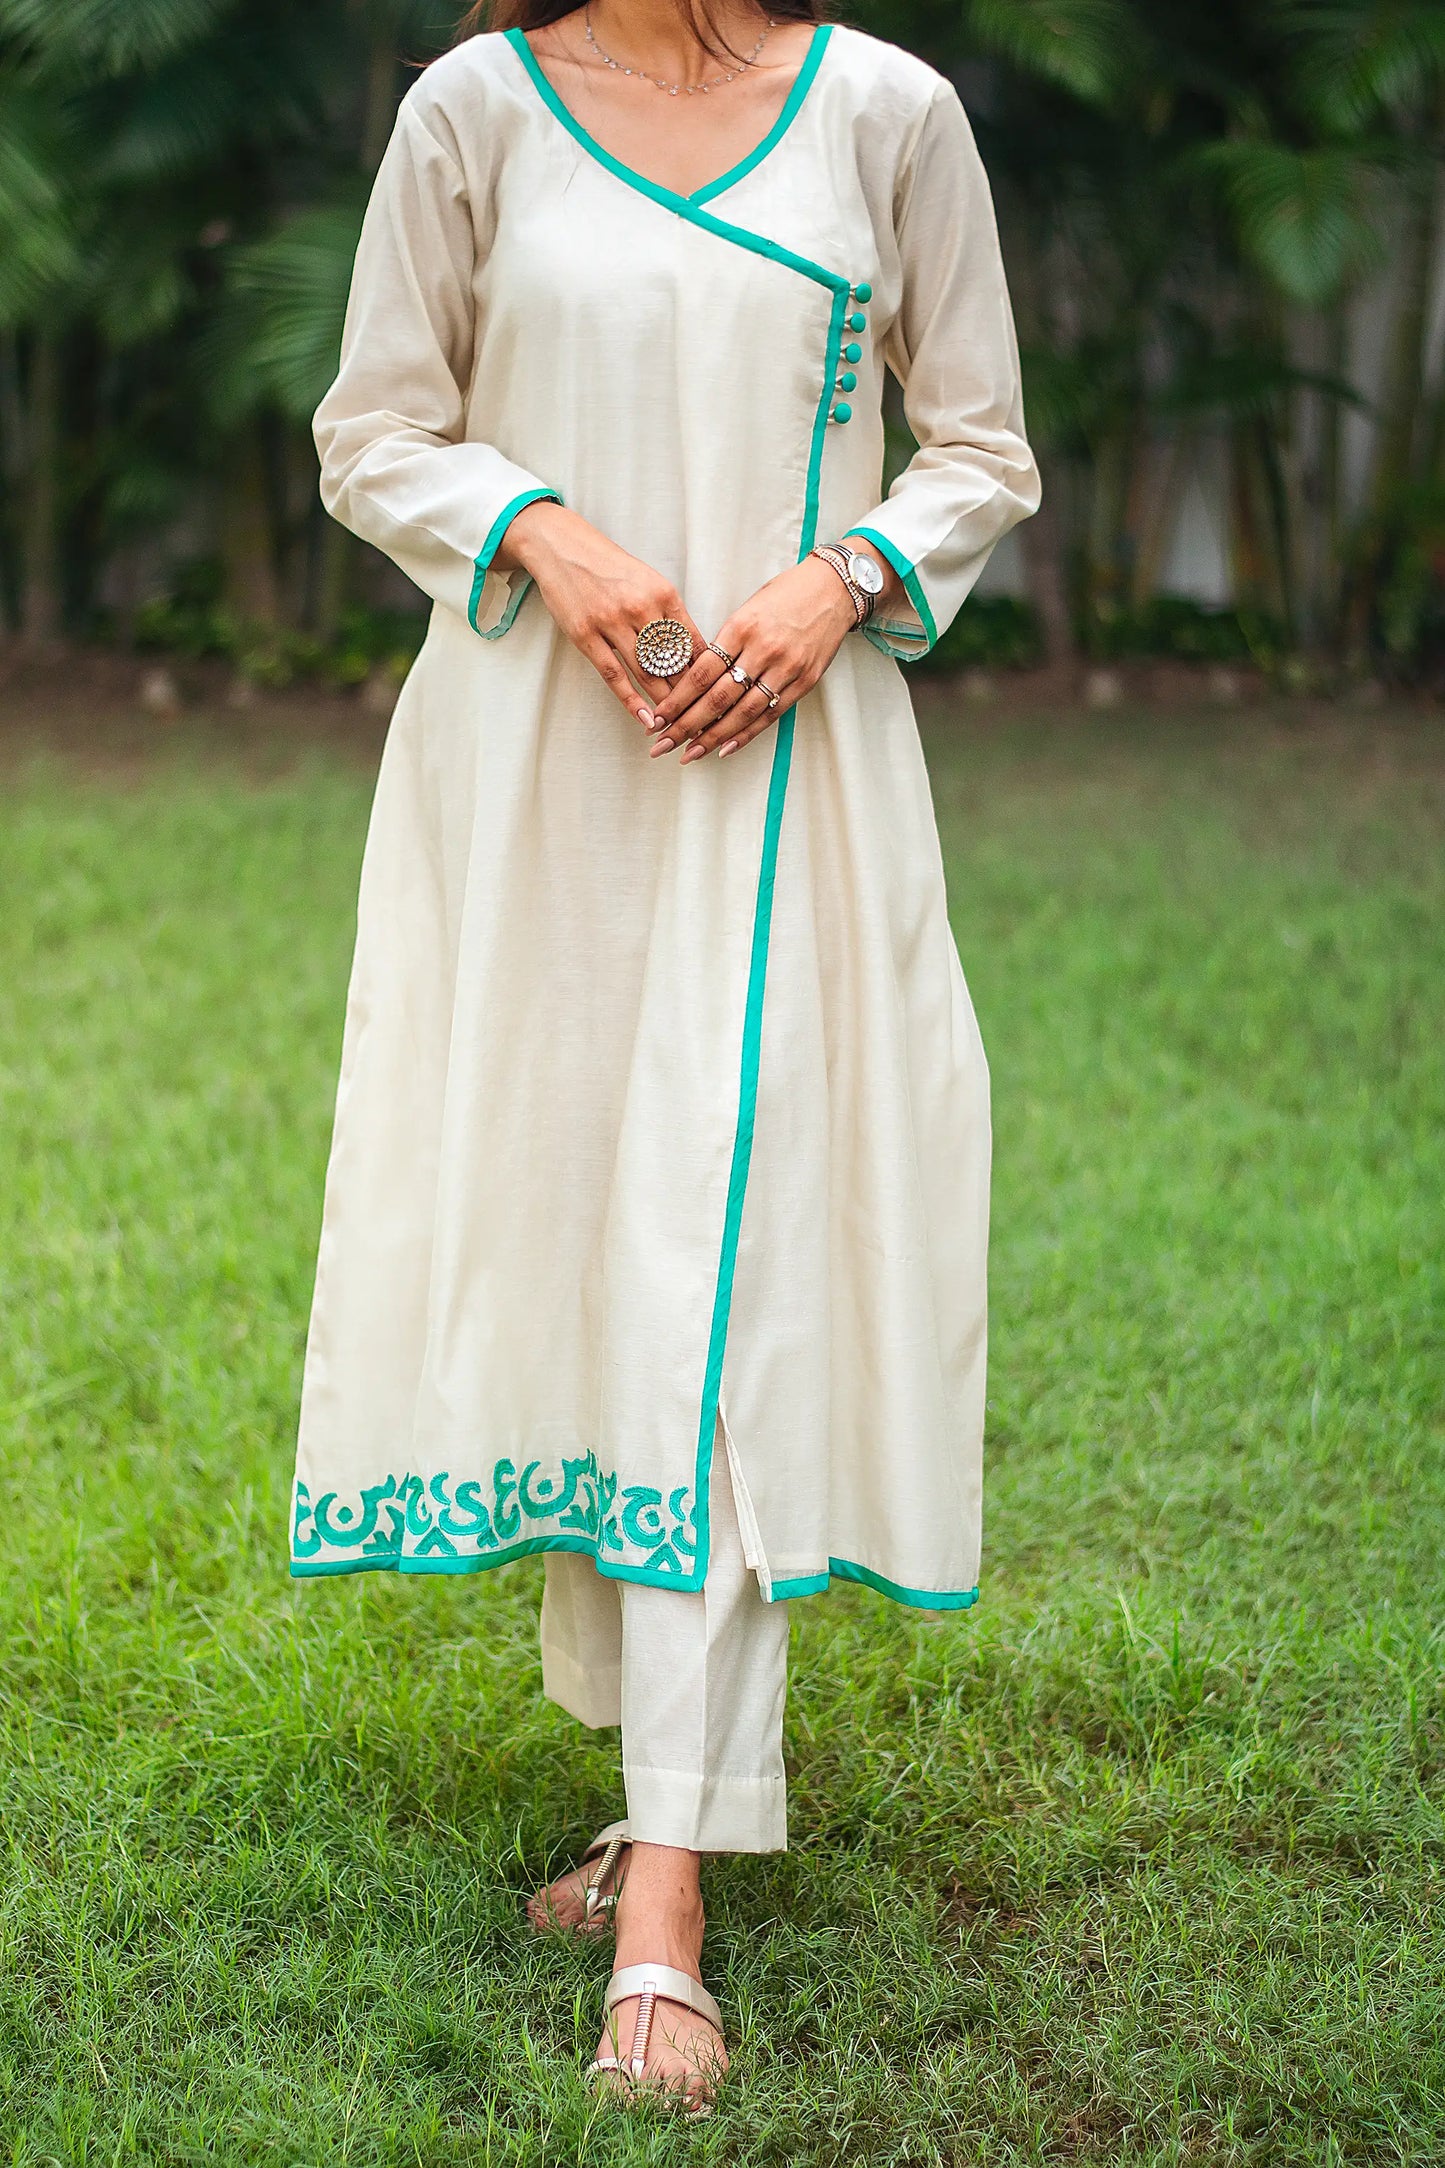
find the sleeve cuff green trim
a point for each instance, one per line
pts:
(488, 550)
(913, 588)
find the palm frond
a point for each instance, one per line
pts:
(188, 116)
(1237, 383)
(112, 35)
(1356, 59)
(1302, 216)
(279, 336)
(38, 250)
(1089, 47)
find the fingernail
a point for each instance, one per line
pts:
(645, 715)
(661, 745)
(657, 723)
(730, 747)
(694, 752)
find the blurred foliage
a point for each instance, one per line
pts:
(193, 619)
(1200, 209)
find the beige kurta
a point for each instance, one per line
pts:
(663, 1116)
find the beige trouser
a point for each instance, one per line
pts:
(696, 1682)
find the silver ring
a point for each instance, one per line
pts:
(721, 653)
(664, 648)
(740, 676)
(773, 697)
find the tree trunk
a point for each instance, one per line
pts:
(248, 547)
(380, 111)
(334, 560)
(1401, 401)
(1157, 525)
(12, 469)
(1108, 502)
(1327, 587)
(41, 602)
(1042, 539)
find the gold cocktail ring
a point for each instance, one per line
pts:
(664, 648)
(762, 688)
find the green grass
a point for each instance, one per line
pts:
(1141, 1861)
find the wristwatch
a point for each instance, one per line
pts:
(861, 574)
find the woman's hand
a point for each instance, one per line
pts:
(599, 596)
(784, 636)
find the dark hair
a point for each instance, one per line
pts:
(536, 14)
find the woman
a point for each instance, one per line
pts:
(656, 1215)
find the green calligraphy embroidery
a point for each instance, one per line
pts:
(576, 1505)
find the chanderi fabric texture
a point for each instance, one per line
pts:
(663, 1114)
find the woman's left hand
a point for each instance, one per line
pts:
(783, 637)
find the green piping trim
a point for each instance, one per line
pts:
(844, 1569)
(397, 1562)
(684, 206)
(808, 1584)
(488, 551)
(690, 208)
(753, 1007)
(802, 84)
(907, 574)
(813, 1584)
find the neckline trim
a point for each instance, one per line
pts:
(658, 190)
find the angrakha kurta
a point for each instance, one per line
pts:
(663, 1116)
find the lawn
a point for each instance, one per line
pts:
(1140, 1861)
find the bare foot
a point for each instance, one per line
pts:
(561, 1908)
(660, 1922)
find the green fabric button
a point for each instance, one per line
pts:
(857, 321)
(847, 381)
(842, 412)
(852, 353)
(863, 291)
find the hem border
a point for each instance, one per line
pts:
(812, 1584)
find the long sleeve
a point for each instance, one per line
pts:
(953, 349)
(396, 467)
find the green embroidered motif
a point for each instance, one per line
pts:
(577, 1506)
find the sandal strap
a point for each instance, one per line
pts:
(614, 1833)
(666, 1984)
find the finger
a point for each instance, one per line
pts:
(699, 677)
(790, 692)
(717, 702)
(752, 712)
(746, 737)
(608, 665)
(701, 674)
(709, 677)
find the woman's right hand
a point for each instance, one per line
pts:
(599, 595)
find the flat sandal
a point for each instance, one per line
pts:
(653, 1984)
(598, 1904)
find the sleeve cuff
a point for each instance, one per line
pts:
(497, 596)
(909, 630)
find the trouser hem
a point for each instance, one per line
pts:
(706, 1814)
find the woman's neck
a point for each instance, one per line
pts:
(656, 34)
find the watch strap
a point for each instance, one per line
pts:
(833, 554)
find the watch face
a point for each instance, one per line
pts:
(867, 572)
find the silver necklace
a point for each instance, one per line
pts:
(657, 82)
